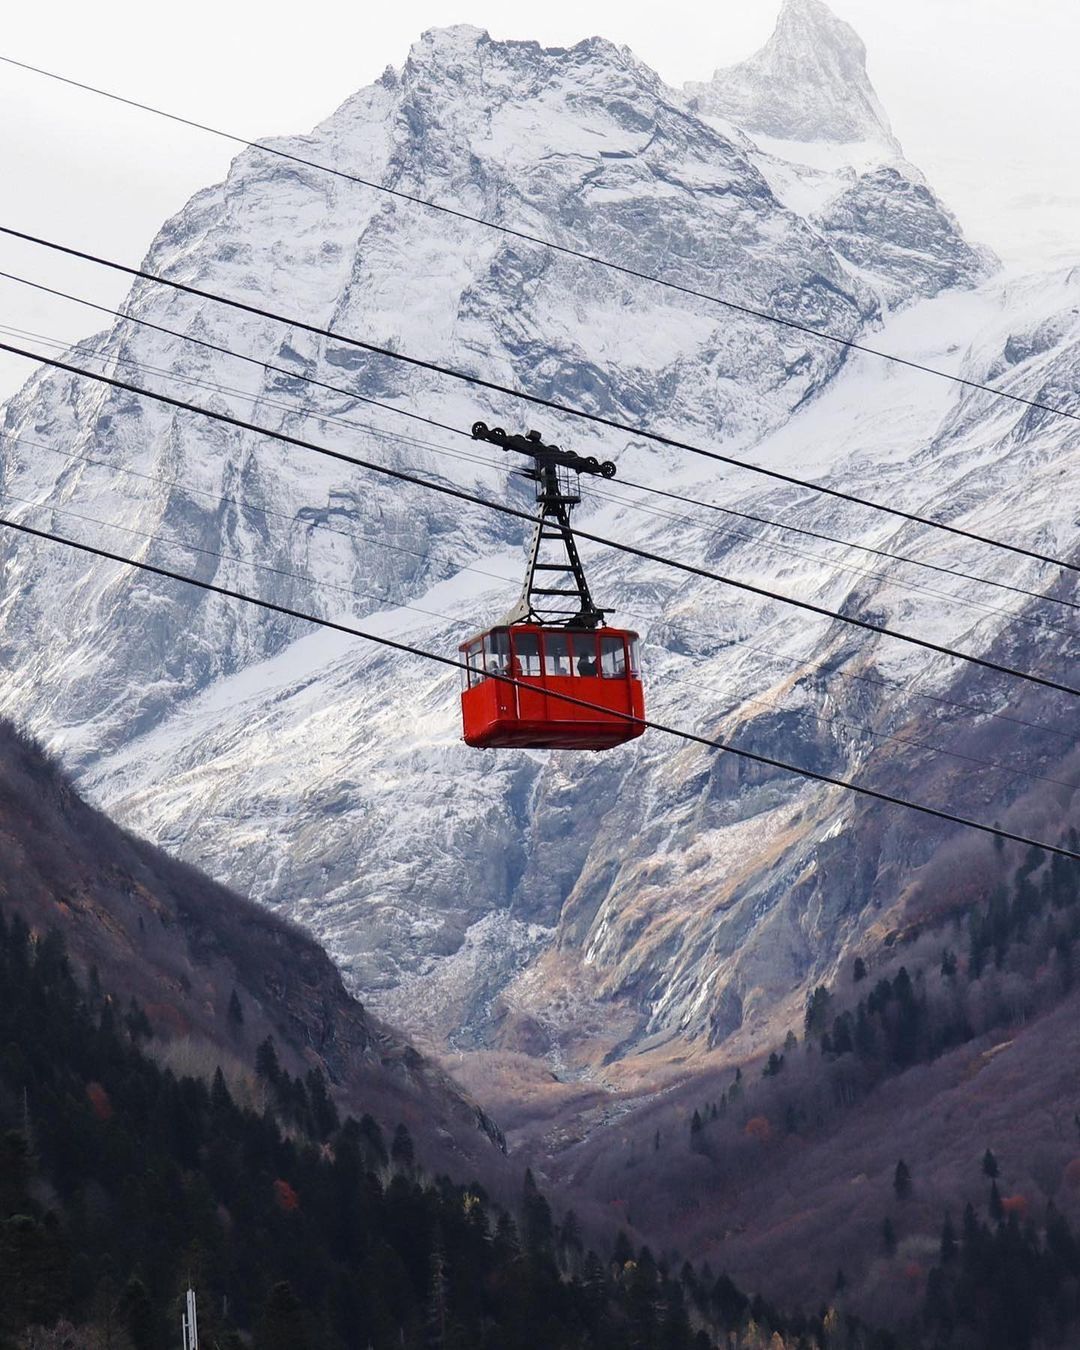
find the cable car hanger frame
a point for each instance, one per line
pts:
(556, 473)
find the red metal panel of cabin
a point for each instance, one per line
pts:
(526, 715)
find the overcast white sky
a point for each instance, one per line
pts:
(983, 94)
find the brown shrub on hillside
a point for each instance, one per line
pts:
(99, 1101)
(285, 1197)
(759, 1129)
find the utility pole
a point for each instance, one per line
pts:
(189, 1324)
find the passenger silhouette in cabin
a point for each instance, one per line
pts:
(586, 665)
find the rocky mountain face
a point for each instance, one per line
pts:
(573, 907)
(808, 84)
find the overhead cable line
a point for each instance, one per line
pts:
(86, 349)
(865, 548)
(800, 664)
(554, 405)
(227, 557)
(425, 555)
(994, 766)
(566, 249)
(293, 520)
(460, 494)
(767, 652)
(460, 431)
(451, 662)
(396, 602)
(207, 345)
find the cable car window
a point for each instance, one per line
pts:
(612, 658)
(527, 652)
(635, 657)
(497, 653)
(556, 654)
(476, 662)
(585, 654)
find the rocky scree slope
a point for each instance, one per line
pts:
(564, 904)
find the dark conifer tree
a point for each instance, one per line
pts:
(949, 1245)
(282, 1325)
(324, 1114)
(537, 1228)
(730, 1304)
(137, 1022)
(402, 1152)
(818, 1011)
(506, 1243)
(266, 1062)
(373, 1139)
(570, 1234)
(137, 1314)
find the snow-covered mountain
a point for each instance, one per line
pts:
(807, 84)
(565, 905)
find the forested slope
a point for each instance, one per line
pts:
(120, 1181)
(187, 1092)
(215, 974)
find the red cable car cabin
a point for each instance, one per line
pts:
(543, 648)
(597, 666)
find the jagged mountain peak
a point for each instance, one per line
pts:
(808, 83)
(439, 45)
(500, 65)
(801, 18)
(455, 39)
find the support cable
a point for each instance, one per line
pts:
(554, 405)
(396, 602)
(461, 431)
(451, 662)
(460, 495)
(568, 250)
(86, 350)
(771, 656)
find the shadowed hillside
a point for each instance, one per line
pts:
(215, 974)
(176, 1073)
